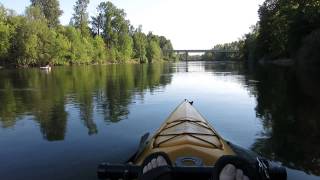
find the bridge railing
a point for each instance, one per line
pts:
(213, 51)
(204, 51)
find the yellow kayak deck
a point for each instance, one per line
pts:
(186, 133)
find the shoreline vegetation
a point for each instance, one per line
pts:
(287, 33)
(36, 38)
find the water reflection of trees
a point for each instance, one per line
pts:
(235, 68)
(288, 103)
(105, 89)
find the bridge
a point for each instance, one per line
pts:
(205, 50)
(187, 51)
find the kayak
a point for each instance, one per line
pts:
(187, 136)
(194, 149)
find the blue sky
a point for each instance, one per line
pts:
(189, 24)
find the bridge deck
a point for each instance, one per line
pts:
(204, 50)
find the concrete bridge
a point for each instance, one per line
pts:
(187, 51)
(204, 51)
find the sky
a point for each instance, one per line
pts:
(189, 24)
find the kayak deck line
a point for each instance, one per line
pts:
(214, 146)
(188, 132)
(173, 134)
(180, 121)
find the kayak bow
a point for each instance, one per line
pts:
(187, 138)
(195, 150)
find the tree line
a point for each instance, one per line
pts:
(37, 37)
(223, 56)
(287, 29)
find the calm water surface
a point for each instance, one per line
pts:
(61, 124)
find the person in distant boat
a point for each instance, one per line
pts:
(47, 67)
(228, 172)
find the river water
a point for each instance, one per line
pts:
(61, 124)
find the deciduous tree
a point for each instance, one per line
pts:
(50, 9)
(80, 17)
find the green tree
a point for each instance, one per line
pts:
(61, 48)
(88, 50)
(153, 48)
(39, 39)
(5, 35)
(248, 47)
(220, 56)
(153, 51)
(26, 42)
(272, 37)
(81, 48)
(36, 38)
(4, 40)
(116, 31)
(284, 24)
(80, 17)
(97, 22)
(166, 48)
(125, 48)
(140, 44)
(50, 9)
(99, 50)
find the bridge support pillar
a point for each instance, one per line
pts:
(187, 55)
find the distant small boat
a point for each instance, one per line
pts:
(46, 67)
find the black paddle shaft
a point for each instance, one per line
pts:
(263, 171)
(119, 171)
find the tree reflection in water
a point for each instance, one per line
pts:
(288, 103)
(109, 89)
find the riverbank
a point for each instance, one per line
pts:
(131, 61)
(30, 40)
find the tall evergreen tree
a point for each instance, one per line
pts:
(80, 16)
(50, 9)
